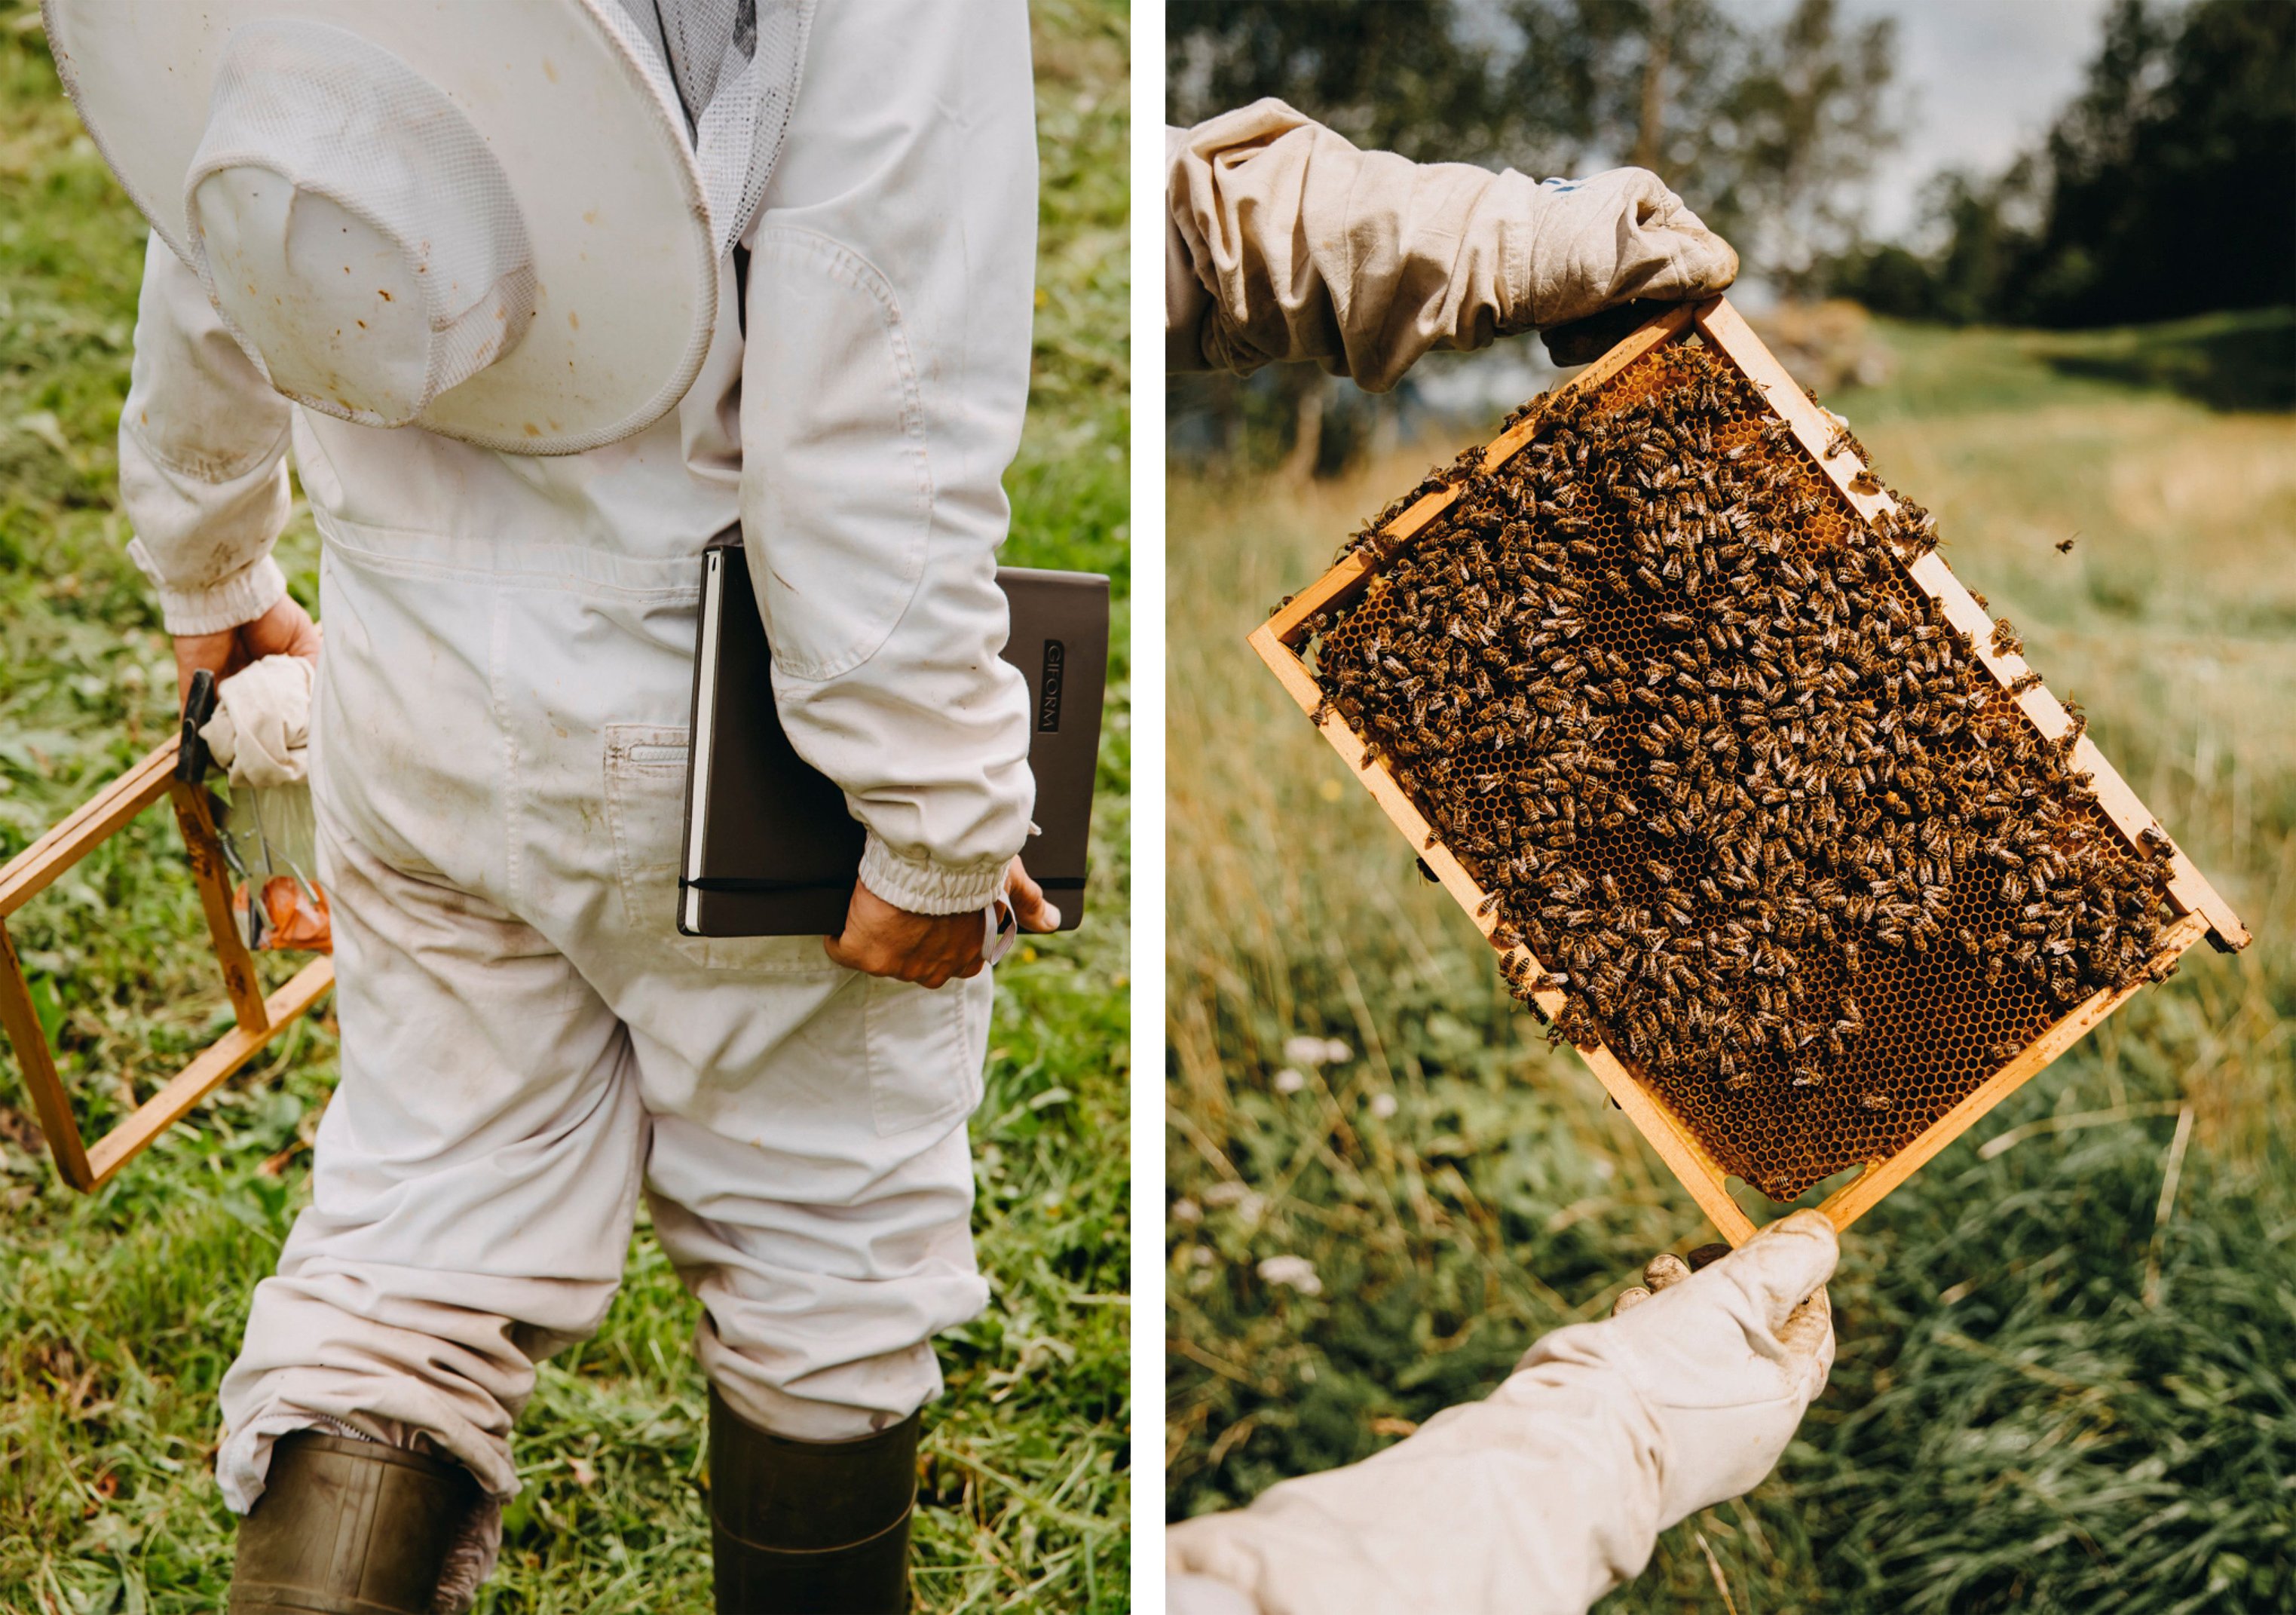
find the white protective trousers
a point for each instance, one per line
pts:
(499, 752)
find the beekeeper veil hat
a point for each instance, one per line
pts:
(502, 222)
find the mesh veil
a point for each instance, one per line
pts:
(732, 66)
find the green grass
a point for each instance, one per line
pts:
(2050, 1396)
(119, 1312)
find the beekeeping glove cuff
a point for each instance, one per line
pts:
(1719, 1364)
(1284, 242)
(261, 731)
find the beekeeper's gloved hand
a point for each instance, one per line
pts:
(261, 731)
(1545, 1495)
(1727, 1357)
(285, 629)
(1283, 241)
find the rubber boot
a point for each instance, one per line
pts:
(349, 1528)
(810, 1527)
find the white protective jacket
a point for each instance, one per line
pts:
(1283, 241)
(859, 436)
(1552, 1491)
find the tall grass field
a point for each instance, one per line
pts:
(2064, 1380)
(119, 1311)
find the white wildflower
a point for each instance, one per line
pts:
(1297, 1271)
(1337, 1053)
(1288, 1081)
(1305, 1051)
(1382, 1105)
(1247, 1204)
(1187, 1211)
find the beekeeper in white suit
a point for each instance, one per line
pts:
(485, 271)
(1284, 242)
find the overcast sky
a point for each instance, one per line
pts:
(1976, 81)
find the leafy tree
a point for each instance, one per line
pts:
(1763, 130)
(2167, 188)
(2173, 174)
(1407, 76)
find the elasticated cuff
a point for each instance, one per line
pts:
(241, 597)
(924, 887)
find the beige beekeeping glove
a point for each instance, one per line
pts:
(1283, 241)
(261, 731)
(1544, 1497)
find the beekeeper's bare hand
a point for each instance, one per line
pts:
(286, 630)
(1726, 1359)
(1027, 899)
(929, 949)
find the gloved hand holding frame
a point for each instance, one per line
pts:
(260, 1020)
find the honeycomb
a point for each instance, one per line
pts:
(1781, 840)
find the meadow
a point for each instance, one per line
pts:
(2062, 1381)
(119, 1311)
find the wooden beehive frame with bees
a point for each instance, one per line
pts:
(2197, 909)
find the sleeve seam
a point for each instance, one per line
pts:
(866, 276)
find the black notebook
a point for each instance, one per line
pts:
(770, 849)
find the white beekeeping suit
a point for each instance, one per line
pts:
(499, 742)
(1283, 242)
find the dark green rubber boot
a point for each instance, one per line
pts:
(349, 1528)
(810, 1527)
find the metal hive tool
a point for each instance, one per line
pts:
(1943, 1041)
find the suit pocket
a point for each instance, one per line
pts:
(925, 1049)
(646, 770)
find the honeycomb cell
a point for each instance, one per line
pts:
(1761, 815)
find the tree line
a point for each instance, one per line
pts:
(2168, 187)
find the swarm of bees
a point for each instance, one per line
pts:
(1769, 824)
